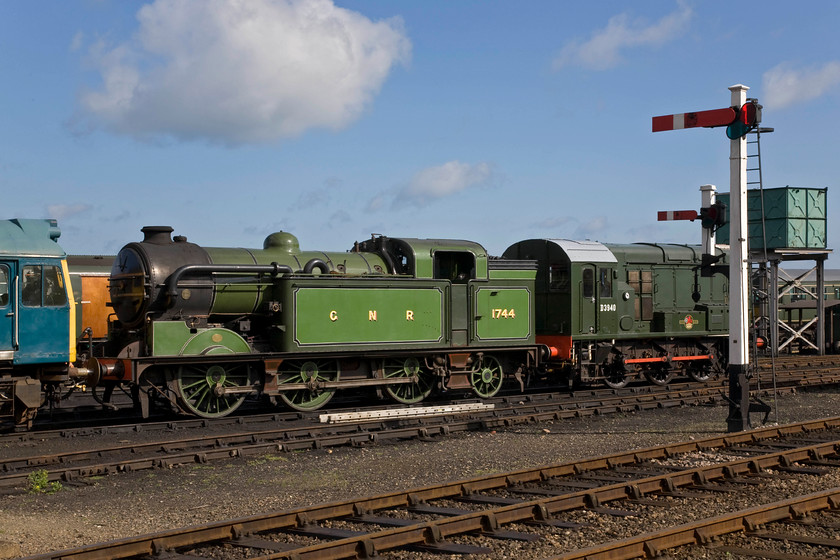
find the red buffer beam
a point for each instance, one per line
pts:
(711, 118)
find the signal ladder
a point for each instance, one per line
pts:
(761, 280)
(766, 304)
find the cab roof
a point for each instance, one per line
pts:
(30, 238)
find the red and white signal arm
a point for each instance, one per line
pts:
(667, 215)
(711, 118)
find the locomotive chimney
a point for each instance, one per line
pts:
(159, 235)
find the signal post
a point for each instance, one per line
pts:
(741, 117)
(739, 358)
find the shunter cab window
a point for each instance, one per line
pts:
(605, 282)
(43, 286)
(588, 278)
(4, 286)
(558, 278)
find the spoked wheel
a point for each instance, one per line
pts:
(200, 388)
(615, 377)
(407, 393)
(487, 379)
(659, 375)
(312, 373)
(702, 372)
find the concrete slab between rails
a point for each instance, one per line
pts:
(9, 550)
(404, 412)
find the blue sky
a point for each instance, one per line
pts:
(484, 120)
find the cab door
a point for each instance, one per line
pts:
(43, 314)
(7, 310)
(458, 267)
(607, 306)
(588, 302)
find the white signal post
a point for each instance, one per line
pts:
(739, 358)
(739, 394)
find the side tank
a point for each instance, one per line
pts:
(171, 278)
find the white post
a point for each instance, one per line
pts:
(707, 198)
(739, 393)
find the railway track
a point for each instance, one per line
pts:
(802, 371)
(708, 488)
(259, 435)
(79, 413)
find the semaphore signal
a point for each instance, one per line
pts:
(668, 215)
(706, 119)
(739, 118)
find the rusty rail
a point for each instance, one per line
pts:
(433, 533)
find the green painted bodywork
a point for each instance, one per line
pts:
(388, 294)
(175, 338)
(503, 314)
(238, 294)
(403, 313)
(613, 309)
(368, 314)
(425, 249)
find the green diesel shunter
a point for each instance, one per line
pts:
(612, 312)
(207, 327)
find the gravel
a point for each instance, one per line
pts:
(124, 505)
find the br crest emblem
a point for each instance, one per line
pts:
(688, 322)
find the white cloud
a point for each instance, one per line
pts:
(339, 217)
(603, 49)
(242, 71)
(784, 85)
(377, 202)
(444, 180)
(592, 228)
(552, 223)
(61, 211)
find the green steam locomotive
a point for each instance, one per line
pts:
(202, 329)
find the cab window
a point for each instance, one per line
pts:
(55, 294)
(588, 277)
(43, 286)
(4, 285)
(605, 282)
(558, 278)
(31, 286)
(458, 267)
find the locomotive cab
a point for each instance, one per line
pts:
(614, 312)
(36, 343)
(576, 291)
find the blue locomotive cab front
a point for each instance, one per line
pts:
(43, 312)
(35, 315)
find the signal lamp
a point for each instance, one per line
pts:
(748, 118)
(714, 216)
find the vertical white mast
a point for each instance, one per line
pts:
(707, 198)
(738, 277)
